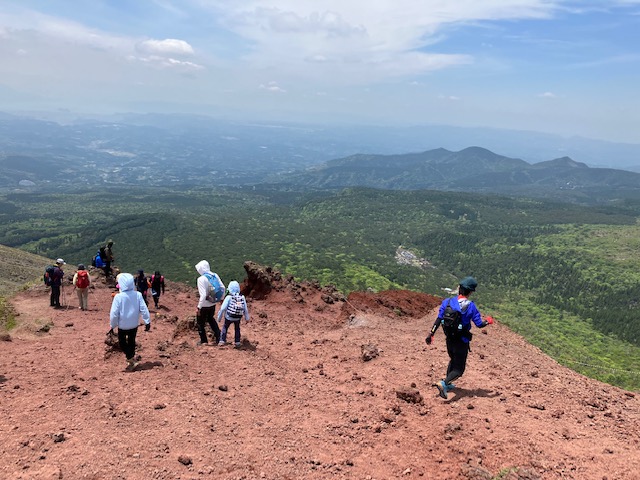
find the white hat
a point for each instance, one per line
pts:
(60, 261)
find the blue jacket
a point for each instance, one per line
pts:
(469, 311)
(128, 305)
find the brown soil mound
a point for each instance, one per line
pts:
(296, 400)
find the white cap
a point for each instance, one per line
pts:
(60, 261)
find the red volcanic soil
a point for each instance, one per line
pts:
(297, 400)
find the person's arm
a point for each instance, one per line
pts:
(114, 313)
(223, 307)
(144, 312)
(476, 317)
(162, 283)
(437, 322)
(202, 290)
(246, 310)
(75, 279)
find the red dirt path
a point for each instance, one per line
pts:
(297, 401)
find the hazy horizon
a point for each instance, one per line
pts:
(556, 66)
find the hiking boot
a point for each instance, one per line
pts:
(221, 344)
(449, 387)
(237, 345)
(442, 389)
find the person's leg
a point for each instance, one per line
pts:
(458, 352)
(55, 291)
(123, 339)
(80, 293)
(210, 313)
(200, 319)
(156, 299)
(51, 301)
(223, 333)
(236, 332)
(85, 299)
(132, 342)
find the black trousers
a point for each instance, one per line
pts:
(458, 351)
(206, 316)
(127, 339)
(55, 295)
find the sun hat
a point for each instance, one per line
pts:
(60, 261)
(469, 283)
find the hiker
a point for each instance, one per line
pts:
(157, 287)
(234, 308)
(81, 282)
(142, 285)
(56, 283)
(456, 315)
(126, 309)
(207, 302)
(106, 253)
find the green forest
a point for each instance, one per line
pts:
(566, 277)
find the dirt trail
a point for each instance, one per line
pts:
(297, 401)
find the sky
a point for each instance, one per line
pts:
(559, 66)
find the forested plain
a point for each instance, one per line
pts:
(566, 277)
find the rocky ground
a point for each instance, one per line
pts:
(322, 387)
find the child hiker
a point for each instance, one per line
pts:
(233, 308)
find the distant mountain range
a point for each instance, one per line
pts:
(472, 169)
(65, 151)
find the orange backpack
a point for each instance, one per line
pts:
(83, 279)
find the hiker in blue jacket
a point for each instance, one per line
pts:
(456, 315)
(126, 310)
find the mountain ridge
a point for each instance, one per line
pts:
(471, 169)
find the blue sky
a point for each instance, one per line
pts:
(566, 67)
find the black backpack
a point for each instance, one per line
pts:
(452, 321)
(48, 275)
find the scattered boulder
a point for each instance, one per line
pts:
(408, 394)
(258, 283)
(369, 352)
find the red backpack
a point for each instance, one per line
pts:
(83, 279)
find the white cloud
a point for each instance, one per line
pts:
(272, 87)
(169, 46)
(547, 95)
(366, 42)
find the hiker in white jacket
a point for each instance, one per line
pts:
(207, 304)
(127, 308)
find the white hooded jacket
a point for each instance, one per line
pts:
(202, 267)
(128, 305)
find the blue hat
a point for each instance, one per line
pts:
(469, 283)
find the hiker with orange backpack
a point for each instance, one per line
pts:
(456, 315)
(81, 282)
